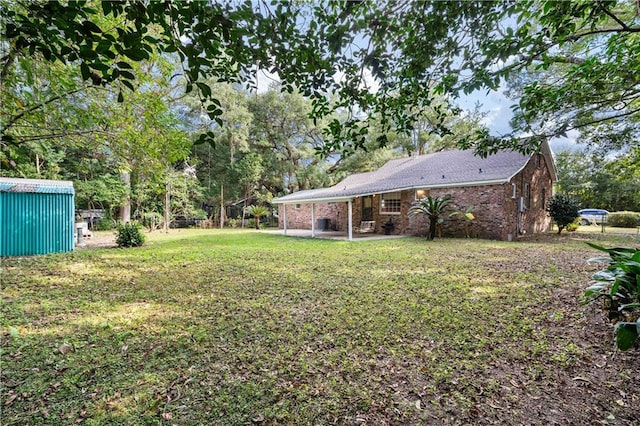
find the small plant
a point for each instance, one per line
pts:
(432, 208)
(573, 226)
(467, 216)
(152, 220)
(257, 212)
(563, 210)
(232, 223)
(619, 286)
(105, 224)
(129, 235)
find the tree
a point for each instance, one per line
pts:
(432, 208)
(257, 212)
(611, 183)
(287, 139)
(579, 71)
(563, 210)
(381, 57)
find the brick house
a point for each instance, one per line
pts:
(508, 190)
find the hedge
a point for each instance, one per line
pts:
(623, 219)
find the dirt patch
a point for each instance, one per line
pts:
(99, 240)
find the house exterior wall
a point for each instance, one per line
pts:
(299, 215)
(495, 208)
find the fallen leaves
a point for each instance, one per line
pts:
(242, 329)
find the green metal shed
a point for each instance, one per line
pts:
(36, 216)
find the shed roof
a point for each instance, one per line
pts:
(36, 186)
(455, 168)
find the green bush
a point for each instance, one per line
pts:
(573, 226)
(563, 210)
(152, 220)
(105, 224)
(232, 223)
(129, 235)
(624, 219)
(618, 286)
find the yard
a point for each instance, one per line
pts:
(238, 327)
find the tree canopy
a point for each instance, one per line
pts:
(386, 58)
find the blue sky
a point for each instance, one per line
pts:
(498, 109)
(494, 103)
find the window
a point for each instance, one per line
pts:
(390, 203)
(514, 188)
(421, 193)
(298, 206)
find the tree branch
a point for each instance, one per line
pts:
(18, 116)
(615, 18)
(24, 139)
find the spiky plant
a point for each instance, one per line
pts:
(432, 208)
(257, 212)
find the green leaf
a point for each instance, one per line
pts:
(120, 97)
(128, 84)
(85, 71)
(91, 27)
(204, 89)
(626, 335)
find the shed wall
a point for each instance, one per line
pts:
(35, 223)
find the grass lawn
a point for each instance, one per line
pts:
(237, 327)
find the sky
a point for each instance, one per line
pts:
(496, 105)
(498, 109)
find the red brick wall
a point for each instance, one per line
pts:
(495, 209)
(299, 215)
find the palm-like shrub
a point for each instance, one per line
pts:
(257, 212)
(432, 208)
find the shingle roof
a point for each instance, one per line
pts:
(454, 168)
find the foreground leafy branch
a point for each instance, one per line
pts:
(618, 286)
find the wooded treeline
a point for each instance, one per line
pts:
(139, 158)
(113, 95)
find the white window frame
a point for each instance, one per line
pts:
(382, 203)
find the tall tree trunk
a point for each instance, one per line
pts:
(167, 205)
(125, 209)
(222, 206)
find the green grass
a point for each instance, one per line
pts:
(230, 328)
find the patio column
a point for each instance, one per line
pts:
(313, 220)
(350, 221)
(284, 217)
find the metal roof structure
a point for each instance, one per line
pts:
(455, 168)
(42, 186)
